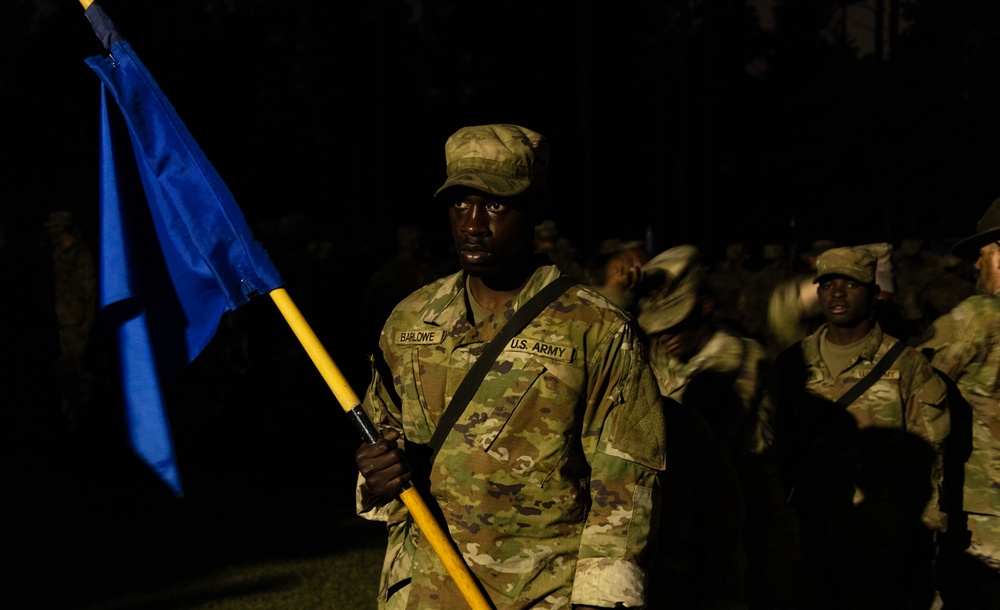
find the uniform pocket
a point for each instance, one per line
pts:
(531, 421)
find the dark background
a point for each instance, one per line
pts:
(690, 119)
(695, 121)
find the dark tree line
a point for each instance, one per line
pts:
(689, 117)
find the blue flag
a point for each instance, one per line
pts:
(176, 252)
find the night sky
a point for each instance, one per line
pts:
(687, 119)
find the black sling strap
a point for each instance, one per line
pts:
(474, 377)
(881, 367)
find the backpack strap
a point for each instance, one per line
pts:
(866, 382)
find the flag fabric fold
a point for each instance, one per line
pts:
(176, 252)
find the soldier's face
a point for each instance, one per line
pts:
(845, 302)
(988, 266)
(490, 233)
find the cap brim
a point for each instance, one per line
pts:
(968, 248)
(667, 315)
(491, 184)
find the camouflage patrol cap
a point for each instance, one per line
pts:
(500, 160)
(854, 263)
(987, 230)
(674, 280)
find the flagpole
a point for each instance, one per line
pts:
(422, 516)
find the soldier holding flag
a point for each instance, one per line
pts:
(544, 469)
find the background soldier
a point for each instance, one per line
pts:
(722, 376)
(860, 428)
(965, 346)
(75, 287)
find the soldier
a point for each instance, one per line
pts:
(615, 268)
(721, 375)
(548, 480)
(727, 282)
(76, 312)
(757, 290)
(860, 426)
(965, 346)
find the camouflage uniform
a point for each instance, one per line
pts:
(966, 346)
(739, 361)
(725, 384)
(549, 481)
(909, 396)
(865, 480)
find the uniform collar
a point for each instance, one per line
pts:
(448, 303)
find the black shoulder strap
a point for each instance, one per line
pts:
(881, 367)
(472, 379)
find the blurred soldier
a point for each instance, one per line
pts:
(888, 312)
(75, 280)
(965, 344)
(758, 288)
(792, 309)
(548, 478)
(726, 282)
(722, 376)
(559, 249)
(615, 268)
(916, 268)
(861, 422)
(946, 291)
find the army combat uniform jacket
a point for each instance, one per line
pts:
(966, 346)
(909, 397)
(737, 362)
(548, 482)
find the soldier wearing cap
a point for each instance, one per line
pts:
(676, 311)
(965, 346)
(722, 376)
(548, 481)
(852, 453)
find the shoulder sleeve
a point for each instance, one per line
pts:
(952, 339)
(626, 462)
(928, 418)
(634, 429)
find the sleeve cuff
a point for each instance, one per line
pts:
(608, 582)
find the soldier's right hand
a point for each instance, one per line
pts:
(383, 464)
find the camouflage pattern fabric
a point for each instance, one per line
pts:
(726, 384)
(549, 481)
(909, 396)
(739, 360)
(966, 347)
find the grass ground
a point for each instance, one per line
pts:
(267, 522)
